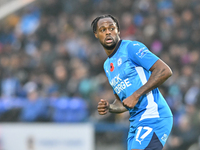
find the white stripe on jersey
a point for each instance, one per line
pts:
(151, 108)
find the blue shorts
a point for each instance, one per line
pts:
(149, 134)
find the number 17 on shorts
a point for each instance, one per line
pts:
(149, 134)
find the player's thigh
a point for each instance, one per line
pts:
(163, 129)
(150, 134)
(144, 139)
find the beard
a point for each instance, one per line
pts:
(112, 45)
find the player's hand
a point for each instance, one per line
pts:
(130, 101)
(103, 107)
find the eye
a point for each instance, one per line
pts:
(112, 28)
(102, 30)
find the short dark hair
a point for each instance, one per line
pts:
(95, 21)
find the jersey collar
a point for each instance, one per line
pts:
(115, 49)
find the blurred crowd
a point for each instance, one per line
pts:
(51, 65)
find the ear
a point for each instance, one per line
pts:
(95, 34)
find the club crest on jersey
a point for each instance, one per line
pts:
(119, 61)
(111, 67)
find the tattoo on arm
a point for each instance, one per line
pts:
(117, 107)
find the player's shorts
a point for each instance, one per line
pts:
(149, 134)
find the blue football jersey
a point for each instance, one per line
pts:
(127, 69)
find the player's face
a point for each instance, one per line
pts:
(107, 33)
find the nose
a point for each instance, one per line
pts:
(108, 32)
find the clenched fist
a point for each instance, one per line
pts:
(103, 107)
(130, 101)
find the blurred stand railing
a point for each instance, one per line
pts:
(9, 6)
(4, 2)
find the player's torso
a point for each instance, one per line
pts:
(126, 77)
(122, 73)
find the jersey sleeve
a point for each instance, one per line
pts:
(141, 55)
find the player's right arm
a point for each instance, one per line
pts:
(115, 107)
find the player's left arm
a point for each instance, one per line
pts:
(160, 73)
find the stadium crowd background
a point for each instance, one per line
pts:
(51, 65)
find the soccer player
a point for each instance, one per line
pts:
(134, 73)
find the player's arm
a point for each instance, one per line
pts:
(115, 107)
(160, 73)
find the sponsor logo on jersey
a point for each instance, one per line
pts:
(142, 52)
(119, 84)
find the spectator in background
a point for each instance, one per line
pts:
(61, 78)
(35, 108)
(69, 110)
(30, 21)
(183, 136)
(9, 85)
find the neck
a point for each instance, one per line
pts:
(109, 52)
